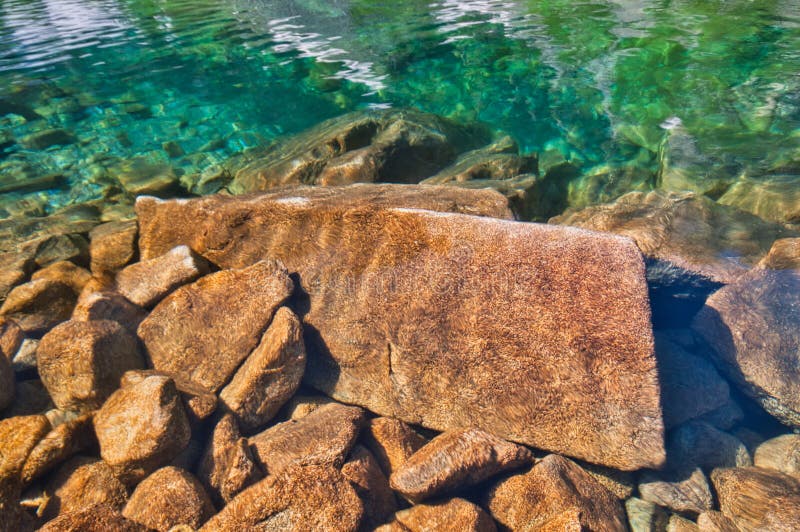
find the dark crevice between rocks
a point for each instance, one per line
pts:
(676, 295)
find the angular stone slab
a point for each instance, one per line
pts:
(535, 333)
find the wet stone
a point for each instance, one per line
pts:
(758, 499)
(392, 442)
(685, 490)
(645, 516)
(781, 454)
(715, 522)
(65, 440)
(680, 524)
(24, 362)
(82, 482)
(372, 486)
(18, 436)
(97, 306)
(141, 175)
(199, 403)
(37, 306)
(775, 198)
(783, 255)
(700, 444)
(112, 245)
(6, 382)
(96, 518)
(620, 483)
(301, 405)
(65, 272)
(56, 248)
(452, 514)
(42, 140)
(455, 460)
(11, 337)
(30, 397)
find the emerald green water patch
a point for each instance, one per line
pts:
(88, 87)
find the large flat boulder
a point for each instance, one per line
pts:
(536, 333)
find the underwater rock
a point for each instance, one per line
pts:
(451, 514)
(775, 198)
(109, 306)
(81, 362)
(563, 312)
(62, 248)
(644, 516)
(366, 477)
(538, 499)
(781, 454)
(203, 331)
(6, 382)
(65, 440)
(683, 167)
(96, 518)
(81, 483)
(783, 255)
(199, 403)
(683, 490)
(142, 427)
(620, 483)
(169, 497)
(310, 497)
(712, 521)
(753, 328)
(394, 146)
(30, 398)
(270, 375)
(497, 161)
(64, 272)
(112, 245)
(758, 499)
(681, 524)
(325, 436)
(41, 140)
(455, 460)
(147, 282)
(392, 442)
(146, 175)
(698, 443)
(37, 306)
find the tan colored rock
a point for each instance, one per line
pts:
(553, 486)
(65, 440)
(783, 255)
(313, 497)
(325, 436)
(109, 306)
(781, 454)
(684, 490)
(715, 522)
(620, 483)
(147, 282)
(81, 362)
(112, 245)
(452, 514)
(270, 375)
(645, 516)
(167, 498)
(680, 524)
(81, 483)
(37, 306)
(64, 272)
(300, 405)
(455, 460)
(203, 331)
(11, 337)
(199, 403)
(758, 499)
(56, 248)
(97, 518)
(372, 486)
(392, 442)
(18, 436)
(753, 327)
(227, 466)
(142, 427)
(554, 383)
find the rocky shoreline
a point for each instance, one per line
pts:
(400, 356)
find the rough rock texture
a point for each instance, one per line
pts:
(203, 331)
(37, 306)
(69, 438)
(680, 524)
(577, 375)
(684, 491)
(301, 405)
(314, 497)
(64, 272)
(227, 466)
(81, 362)
(758, 499)
(167, 498)
(365, 475)
(753, 328)
(11, 337)
(644, 516)
(24, 364)
(783, 255)
(109, 306)
(700, 444)
(392, 442)
(690, 385)
(553, 486)
(270, 375)
(452, 514)
(454, 460)
(147, 282)
(690, 231)
(323, 437)
(620, 483)
(199, 403)
(18, 436)
(781, 454)
(715, 522)
(96, 518)
(112, 246)
(81, 483)
(142, 427)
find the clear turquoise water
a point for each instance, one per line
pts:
(601, 82)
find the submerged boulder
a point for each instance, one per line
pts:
(758, 499)
(536, 333)
(775, 198)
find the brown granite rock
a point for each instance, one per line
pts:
(645, 516)
(392, 442)
(6, 382)
(553, 486)
(147, 282)
(204, 330)
(325, 436)
(270, 375)
(109, 306)
(199, 403)
(365, 475)
(227, 466)
(302, 405)
(753, 328)
(65, 440)
(64, 272)
(452, 514)
(24, 363)
(142, 427)
(81, 362)
(781, 454)
(680, 524)
(11, 337)
(571, 361)
(167, 498)
(454, 460)
(758, 499)
(621, 483)
(37, 306)
(686, 490)
(18, 436)
(112, 245)
(96, 518)
(312, 497)
(56, 248)
(783, 255)
(81, 483)
(715, 522)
